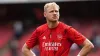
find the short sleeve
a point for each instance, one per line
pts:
(75, 36)
(33, 40)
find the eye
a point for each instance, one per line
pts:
(56, 11)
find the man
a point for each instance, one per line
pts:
(55, 38)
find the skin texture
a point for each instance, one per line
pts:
(87, 47)
(27, 51)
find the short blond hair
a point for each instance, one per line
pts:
(49, 4)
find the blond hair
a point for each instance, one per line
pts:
(50, 4)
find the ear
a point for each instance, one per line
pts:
(44, 14)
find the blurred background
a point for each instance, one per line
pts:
(19, 18)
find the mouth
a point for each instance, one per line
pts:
(54, 17)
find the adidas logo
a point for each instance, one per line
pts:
(44, 37)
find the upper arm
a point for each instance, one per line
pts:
(87, 43)
(33, 40)
(25, 47)
(27, 51)
(75, 36)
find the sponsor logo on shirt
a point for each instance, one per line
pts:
(51, 46)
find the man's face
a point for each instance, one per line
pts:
(52, 13)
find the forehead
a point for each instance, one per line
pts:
(52, 7)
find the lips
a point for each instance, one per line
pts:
(55, 17)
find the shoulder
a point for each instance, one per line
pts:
(41, 27)
(65, 26)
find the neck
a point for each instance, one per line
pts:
(52, 24)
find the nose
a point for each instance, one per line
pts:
(54, 12)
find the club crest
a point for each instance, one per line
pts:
(59, 36)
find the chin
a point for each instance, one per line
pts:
(54, 20)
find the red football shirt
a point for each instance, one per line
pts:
(56, 41)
